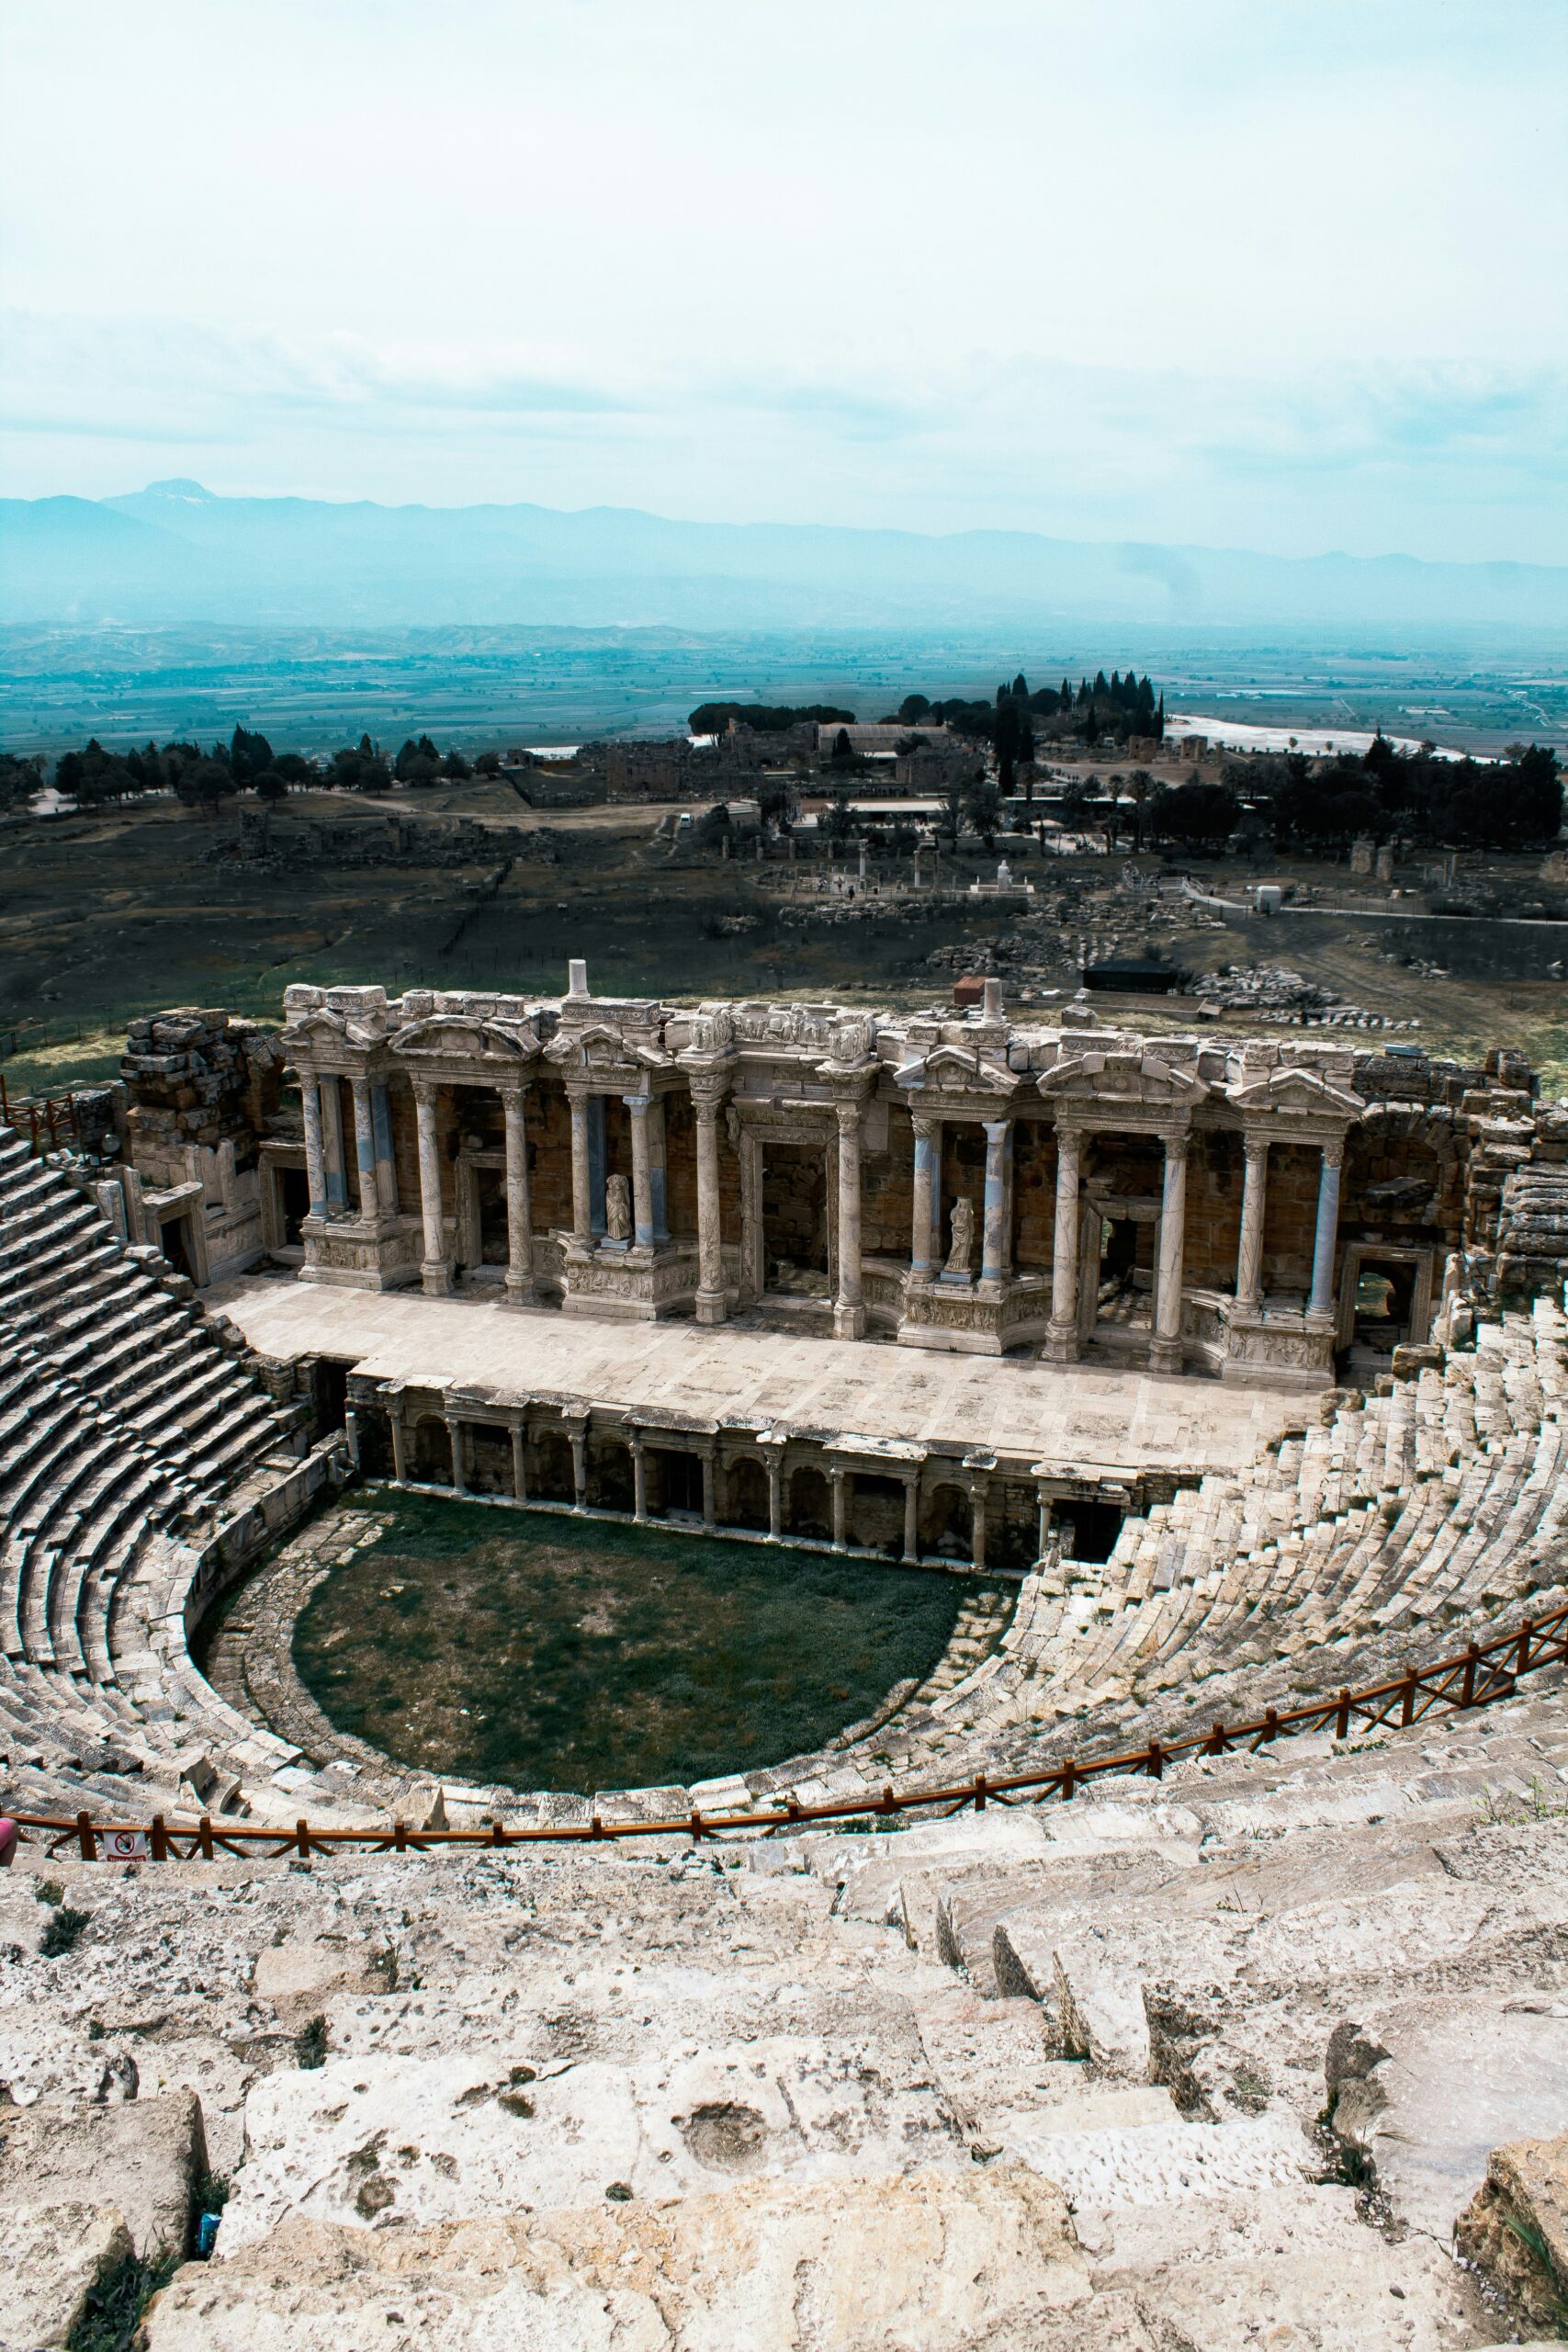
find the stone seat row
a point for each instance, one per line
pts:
(120, 1413)
(553, 2084)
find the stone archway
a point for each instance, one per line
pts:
(947, 1523)
(550, 1475)
(810, 1506)
(746, 1494)
(611, 1483)
(430, 1452)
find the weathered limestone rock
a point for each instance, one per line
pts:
(53, 2255)
(1428, 2090)
(901, 2265)
(1515, 2228)
(141, 2159)
(405, 2140)
(298, 1979)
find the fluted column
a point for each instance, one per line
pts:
(520, 1460)
(315, 1171)
(642, 1187)
(518, 1209)
(332, 1142)
(639, 1477)
(1322, 1299)
(1165, 1355)
(711, 1304)
(1254, 1194)
(920, 1265)
(839, 1481)
(386, 1159)
(581, 1188)
(849, 1306)
(365, 1151)
(994, 1252)
(435, 1273)
(772, 1462)
(1062, 1332)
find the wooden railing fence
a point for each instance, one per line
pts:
(46, 1120)
(1480, 1675)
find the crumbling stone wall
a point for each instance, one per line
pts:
(200, 1078)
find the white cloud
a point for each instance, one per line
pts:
(1287, 277)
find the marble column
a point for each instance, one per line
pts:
(578, 1440)
(435, 1273)
(386, 1158)
(1062, 1332)
(920, 1263)
(774, 1464)
(582, 1191)
(642, 1185)
(400, 1445)
(332, 1143)
(1043, 1536)
(709, 1512)
(315, 1170)
(1322, 1299)
(365, 1151)
(912, 1516)
(839, 1481)
(977, 1522)
(454, 1436)
(1254, 1193)
(711, 1304)
(640, 1478)
(520, 1462)
(1165, 1355)
(849, 1306)
(519, 1209)
(994, 1237)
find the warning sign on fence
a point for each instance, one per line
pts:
(125, 1845)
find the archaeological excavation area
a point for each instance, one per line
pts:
(455, 1415)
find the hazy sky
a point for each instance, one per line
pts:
(1292, 277)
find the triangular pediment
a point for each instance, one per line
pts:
(316, 1023)
(958, 1070)
(598, 1050)
(1298, 1093)
(1123, 1077)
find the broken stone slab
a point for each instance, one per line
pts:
(1515, 2228)
(1376, 2297)
(412, 2141)
(141, 2159)
(297, 1980)
(942, 2257)
(54, 2255)
(1426, 2092)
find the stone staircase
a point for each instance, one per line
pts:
(1209, 2065)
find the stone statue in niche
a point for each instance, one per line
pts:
(960, 1248)
(619, 1209)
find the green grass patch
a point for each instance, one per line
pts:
(555, 1653)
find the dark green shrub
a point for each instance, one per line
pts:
(63, 1932)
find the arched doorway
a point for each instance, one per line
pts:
(810, 1506)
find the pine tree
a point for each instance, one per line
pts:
(1020, 688)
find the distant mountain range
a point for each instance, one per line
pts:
(173, 554)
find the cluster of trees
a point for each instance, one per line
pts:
(768, 718)
(1383, 792)
(1098, 710)
(246, 762)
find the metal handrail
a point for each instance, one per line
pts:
(1478, 1676)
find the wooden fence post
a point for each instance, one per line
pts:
(160, 1840)
(204, 1838)
(84, 1838)
(1467, 1680)
(1342, 1716)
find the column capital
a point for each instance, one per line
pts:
(996, 1129)
(1177, 1143)
(1255, 1142)
(424, 1089)
(1334, 1151)
(925, 1124)
(511, 1090)
(848, 1110)
(637, 1103)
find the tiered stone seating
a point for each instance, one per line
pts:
(122, 1411)
(1048, 2077)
